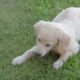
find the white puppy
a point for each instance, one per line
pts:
(62, 35)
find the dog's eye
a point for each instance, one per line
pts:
(47, 45)
(39, 39)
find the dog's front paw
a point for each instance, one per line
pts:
(18, 60)
(58, 64)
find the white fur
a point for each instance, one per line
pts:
(61, 34)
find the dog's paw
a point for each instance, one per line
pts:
(18, 60)
(58, 64)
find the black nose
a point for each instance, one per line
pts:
(37, 54)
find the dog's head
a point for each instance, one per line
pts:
(50, 36)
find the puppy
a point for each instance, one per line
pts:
(61, 34)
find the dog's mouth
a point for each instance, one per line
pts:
(37, 54)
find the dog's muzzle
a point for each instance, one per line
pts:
(37, 54)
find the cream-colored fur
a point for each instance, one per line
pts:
(61, 34)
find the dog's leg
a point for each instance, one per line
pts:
(57, 64)
(63, 58)
(21, 59)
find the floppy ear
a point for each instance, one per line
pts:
(38, 25)
(63, 42)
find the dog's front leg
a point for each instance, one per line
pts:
(63, 58)
(72, 49)
(21, 59)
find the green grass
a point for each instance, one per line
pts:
(17, 35)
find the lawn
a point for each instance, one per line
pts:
(17, 18)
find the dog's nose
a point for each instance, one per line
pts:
(37, 54)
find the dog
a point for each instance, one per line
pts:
(61, 34)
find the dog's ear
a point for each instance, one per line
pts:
(38, 25)
(63, 42)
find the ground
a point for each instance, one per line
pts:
(17, 18)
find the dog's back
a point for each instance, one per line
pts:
(71, 18)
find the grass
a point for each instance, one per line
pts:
(17, 35)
